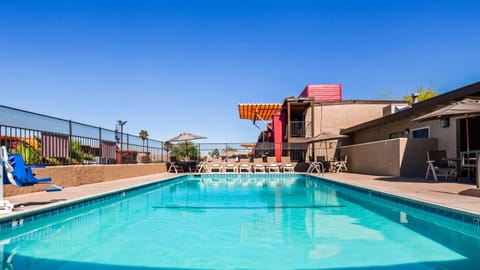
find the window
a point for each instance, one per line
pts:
(421, 132)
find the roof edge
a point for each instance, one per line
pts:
(442, 99)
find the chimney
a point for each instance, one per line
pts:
(415, 97)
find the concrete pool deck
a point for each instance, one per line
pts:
(456, 195)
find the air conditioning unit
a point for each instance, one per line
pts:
(393, 108)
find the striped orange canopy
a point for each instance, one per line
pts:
(254, 112)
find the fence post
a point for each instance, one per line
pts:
(162, 149)
(70, 135)
(100, 144)
(148, 154)
(128, 141)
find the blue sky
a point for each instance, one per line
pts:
(174, 66)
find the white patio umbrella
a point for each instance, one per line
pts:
(184, 137)
(466, 107)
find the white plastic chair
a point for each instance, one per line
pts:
(438, 165)
(316, 167)
(175, 168)
(341, 165)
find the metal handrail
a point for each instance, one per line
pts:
(299, 128)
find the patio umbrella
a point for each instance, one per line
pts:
(248, 145)
(466, 107)
(324, 137)
(251, 150)
(184, 137)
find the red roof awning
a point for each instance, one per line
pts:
(258, 111)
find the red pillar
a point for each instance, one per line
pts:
(277, 136)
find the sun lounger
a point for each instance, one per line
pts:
(244, 168)
(287, 165)
(288, 168)
(273, 167)
(258, 168)
(230, 168)
(19, 174)
(216, 168)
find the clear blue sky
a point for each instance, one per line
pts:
(174, 66)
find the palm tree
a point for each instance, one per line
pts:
(143, 135)
(77, 154)
(423, 94)
(184, 149)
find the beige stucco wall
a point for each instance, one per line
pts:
(395, 157)
(413, 156)
(334, 117)
(446, 137)
(67, 176)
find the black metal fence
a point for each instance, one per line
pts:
(297, 152)
(47, 140)
(43, 139)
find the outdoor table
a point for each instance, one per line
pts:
(188, 166)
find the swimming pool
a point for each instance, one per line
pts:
(242, 221)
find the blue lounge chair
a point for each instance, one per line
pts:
(16, 172)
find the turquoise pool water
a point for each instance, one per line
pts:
(240, 222)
